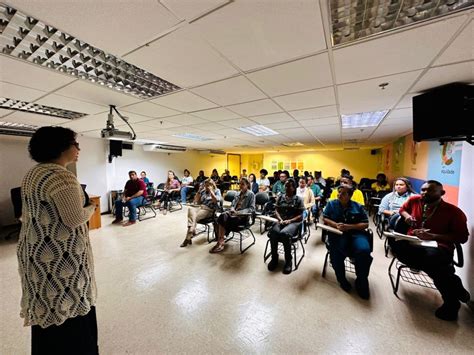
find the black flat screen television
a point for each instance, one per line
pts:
(444, 113)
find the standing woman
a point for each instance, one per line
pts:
(54, 252)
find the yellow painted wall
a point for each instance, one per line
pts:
(359, 162)
(253, 163)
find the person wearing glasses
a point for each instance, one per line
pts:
(54, 252)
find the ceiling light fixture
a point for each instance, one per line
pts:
(17, 129)
(258, 130)
(293, 144)
(355, 19)
(12, 104)
(192, 136)
(31, 40)
(363, 119)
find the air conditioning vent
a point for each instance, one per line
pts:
(163, 148)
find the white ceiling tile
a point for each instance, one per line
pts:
(305, 74)
(406, 101)
(282, 125)
(394, 53)
(462, 72)
(149, 109)
(357, 133)
(137, 127)
(400, 113)
(216, 114)
(307, 99)
(190, 9)
(162, 124)
(317, 112)
(239, 122)
(460, 49)
(333, 129)
(113, 26)
(365, 96)
(32, 76)
(67, 103)
(209, 127)
(320, 121)
(86, 91)
(184, 101)
(255, 34)
(182, 58)
(407, 121)
(17, 92)
(186, 119)
(93, 133)
(132, 117)
(4, 112)
(293, 132)
(256, 108)
(88, 123)
(230, 91)
(272, 118)
(35, 119)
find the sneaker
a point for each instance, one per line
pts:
(362, 288)
(129, 223)
(464, 295)
(117, 220)
(272, 265)
(448, 312)
(345, 285)
(288, 268)
(165, 211)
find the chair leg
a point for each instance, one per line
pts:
(248, 246)
(325, 264)
(303, 253)
(395, 283)
(265, 255)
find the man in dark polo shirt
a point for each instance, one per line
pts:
(134, 194)
(431, 218)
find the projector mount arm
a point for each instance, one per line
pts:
(110, 120)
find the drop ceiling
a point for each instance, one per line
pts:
(243, 63)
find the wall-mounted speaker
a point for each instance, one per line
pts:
(116, 148)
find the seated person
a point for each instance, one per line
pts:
(351, 219)
(392, 202)
(431, 218)
(226, 176)
(296, 174)
(186, 184)
(357, 195)
(208, 199)
(134, 194)
(306, 194)
(243, 203)
(279, 186)
(215, 177)
(199, 180)
(263, 182)
(289, 212)
(381, 184)
(144, 178)
(244, 174)
(318, 178)
(172, 186)
(253, 183)
(344, 172)
(318, 195)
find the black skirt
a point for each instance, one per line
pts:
(77, 335)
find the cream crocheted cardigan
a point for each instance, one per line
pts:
(54, 252)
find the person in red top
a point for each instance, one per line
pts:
(431, 218)
(134, 195)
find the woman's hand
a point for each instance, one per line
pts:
(343, 227)
(423, 234)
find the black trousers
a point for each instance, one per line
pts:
(436, 262)
(280, 233)
(75, 336)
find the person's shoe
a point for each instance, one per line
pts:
(117, 220)
(345, 285)
(165, 211)
(217, 248)
(186, 242)
(272, 265)
(362, 288)
(287, 268)
(129, 223)
(448, 312)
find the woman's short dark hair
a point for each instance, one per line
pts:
(291, 182)
(187, 171)
(264, 172)
(48, 143)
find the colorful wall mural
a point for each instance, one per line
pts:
(420, 161)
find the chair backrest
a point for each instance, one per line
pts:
(161, 186)
(261, 198)
(230, 195)
(399, 225)
(15, 194)
(459, 256)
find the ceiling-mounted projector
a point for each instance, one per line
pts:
(110, 132)
(116, 134)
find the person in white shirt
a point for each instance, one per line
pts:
(186, 184)
(263, 182)
(305, 193)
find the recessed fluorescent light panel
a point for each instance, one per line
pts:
(192, 136)
(363, 119)
(258, 130)
(17, 105)
(293, 144)
(28, 39)
(17, 129)
(355, 19)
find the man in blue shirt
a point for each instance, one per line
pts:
(279, 186)
(351, 219)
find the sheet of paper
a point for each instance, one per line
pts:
(267, 218)
(329, 229)
(411, 239)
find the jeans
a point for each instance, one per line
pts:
(283, 234)
(184, 192)
(355, 245)
(132, 207)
